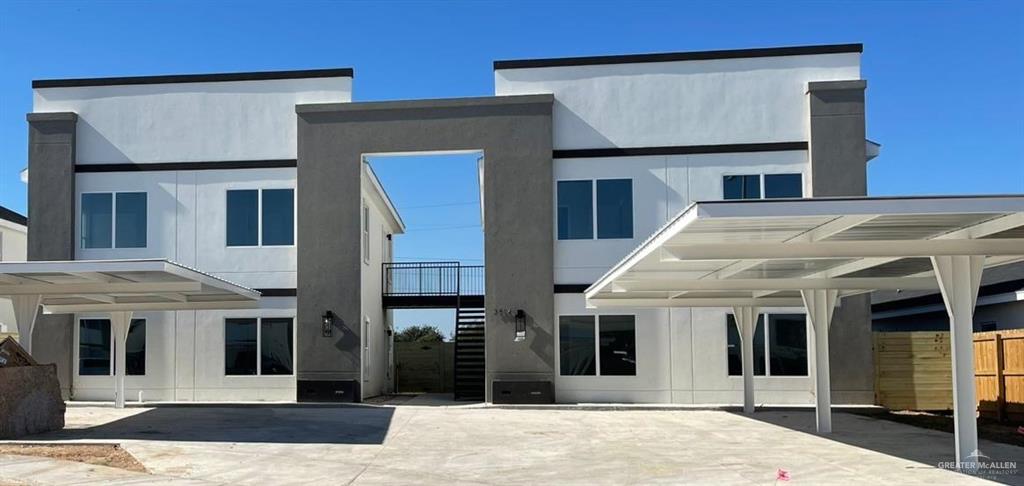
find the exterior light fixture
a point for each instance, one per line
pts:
(327, 324)
(520, 318)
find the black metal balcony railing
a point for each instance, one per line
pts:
(432, 279)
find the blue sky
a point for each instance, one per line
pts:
(944, 78)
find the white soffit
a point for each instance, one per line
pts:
(121, 285)
(762, 252)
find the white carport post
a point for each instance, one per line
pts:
(120, 321)
(821, 304)
(26, 309)
(959, 278)
(746, 320)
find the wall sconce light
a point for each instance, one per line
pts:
(520, 318)
(327, 324)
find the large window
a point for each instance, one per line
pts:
(113, 220)
(264, 349)
(779, 349)
(96, 345)
(261, 217)
(609, 202)
(773, 185)
(597, 345)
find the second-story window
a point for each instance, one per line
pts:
(114, 220)
(580, 205)
(749, 186)
(261, 217)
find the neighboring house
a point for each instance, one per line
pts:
(13, 242)
(1000, 305)
(583, 159)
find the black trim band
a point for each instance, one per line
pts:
(13, 216)
(228, 164)
(278, 292)
(680, 56)
(678, 150)
(570, 288)
(194, 78)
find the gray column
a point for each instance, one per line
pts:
(51, 228)
(838, 167)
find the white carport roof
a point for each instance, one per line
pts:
(812, 252)
(763, 252)
(119, 287)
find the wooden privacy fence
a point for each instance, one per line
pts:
(913, 371)
(424, 367)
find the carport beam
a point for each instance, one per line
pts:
(26, 309)
(746, 320)
(959, 278)
(120, 321)
(821, 304)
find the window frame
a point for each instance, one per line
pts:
(259, 347)
(113, 221)
(767, 345)
(593, 207)
(112, 344)
(760, 182)
(597, 344)
(365, 231)
(259, 217)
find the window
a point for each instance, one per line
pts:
(278, 217)
(779, 349)
(618, 346)
(576, 345)
(775, 186)
(261, 217)
(742, 187)
(575, 210)
(580, 205)
(366, 233)
(135, 349)
(95, 345)
(366, 349)
(276, 346)
(783, 185)
(273, 338)
(614, 208)
(613, 353)
(114, 220)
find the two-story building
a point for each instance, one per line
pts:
(260, 179)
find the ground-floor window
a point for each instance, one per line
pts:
(96, 345)
(258, 346)
(597, 345)
(780, 349)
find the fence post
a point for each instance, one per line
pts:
(1000, 381)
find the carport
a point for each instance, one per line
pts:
(119, 287)
(811, 253)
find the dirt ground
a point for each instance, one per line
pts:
(111, 455)
(1003, 432)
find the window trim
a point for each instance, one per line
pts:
(259, 346)
(259, 217)
(113, 221)
(760, 178)
(767, 345)
(597, 344)
(593, 208)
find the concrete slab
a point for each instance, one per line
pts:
(434, 443)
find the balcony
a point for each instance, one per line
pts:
(432, 285)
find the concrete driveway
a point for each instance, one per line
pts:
(436, 444)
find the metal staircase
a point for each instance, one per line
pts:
(469, 353)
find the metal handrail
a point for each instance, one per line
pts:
(431, 279)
